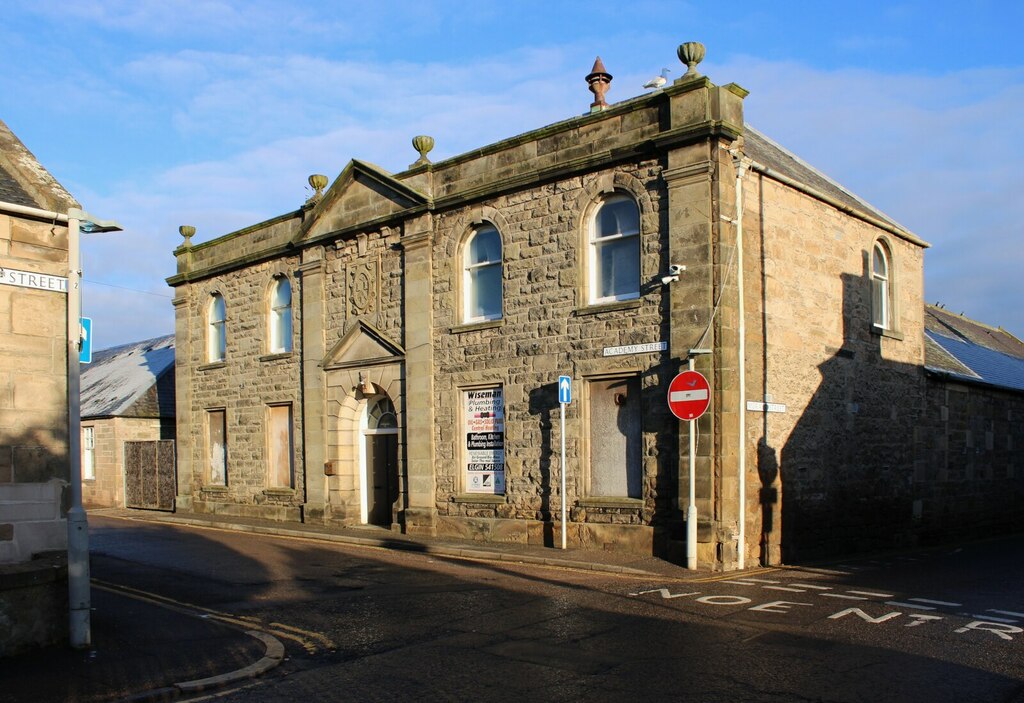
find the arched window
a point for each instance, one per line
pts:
(280, 327)
(216, 337)
(881, 288)
(481, 282)
(615, 251)
(381, 416)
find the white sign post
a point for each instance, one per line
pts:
(564, 398)
(689, 395)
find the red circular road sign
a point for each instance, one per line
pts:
(689, 395)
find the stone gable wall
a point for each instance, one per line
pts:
(830, 473)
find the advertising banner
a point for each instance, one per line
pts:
(484, 413)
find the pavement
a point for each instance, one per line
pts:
(137, 654)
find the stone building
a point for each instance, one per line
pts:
(389, 352)
(33, 399)
(128, 425)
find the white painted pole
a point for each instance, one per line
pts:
(691, 510)
(562, 471)
(741, 168)
(79, 596)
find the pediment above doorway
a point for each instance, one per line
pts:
(363, 345)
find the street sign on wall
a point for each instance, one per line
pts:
(689, 395)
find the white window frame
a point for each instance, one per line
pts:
(470, 276)
(280, 327)
(216, 334)
(596, 243)
(881, 287)
(89, 453)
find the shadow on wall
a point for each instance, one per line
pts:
(847, 468)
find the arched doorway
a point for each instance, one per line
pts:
(380, 461)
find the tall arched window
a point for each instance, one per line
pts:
(216, 337)
(280, 327)
(881, 288)
(615, 251)
(481, 283)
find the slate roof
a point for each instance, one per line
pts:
(768, 153)
(24, 181)
(132, 380)
(963, 349)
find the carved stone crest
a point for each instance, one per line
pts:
(363, 288)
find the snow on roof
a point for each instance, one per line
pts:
(119, 376)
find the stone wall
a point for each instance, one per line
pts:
(831, 471)
(244, 385)
(107, 488)
(33, 392)
(33, 604)
(548, 329)
(968, 478)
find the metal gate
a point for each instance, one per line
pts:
(149, 472)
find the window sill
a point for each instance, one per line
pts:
(214, 489)
(488, 498)
(610, 502)
(616, 306)
(475, 326)
(883, 332)
(276, 356)
(279, 492)
(212, 365)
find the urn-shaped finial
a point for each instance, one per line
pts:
(423, 144)
(691, 53)
(317, 182)
(187, 231)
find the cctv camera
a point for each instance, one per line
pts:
(676, 269)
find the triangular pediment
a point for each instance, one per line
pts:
(362, 197)
(363, 345)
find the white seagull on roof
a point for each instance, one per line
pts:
(657, 81)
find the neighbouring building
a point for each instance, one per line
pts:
(33, 400)
(389, 352)
(128, 426)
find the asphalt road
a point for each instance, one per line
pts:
(366, 624)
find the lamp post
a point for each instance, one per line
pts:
(79, 600)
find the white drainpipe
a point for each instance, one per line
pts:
(741, 169)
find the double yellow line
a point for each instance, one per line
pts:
(311, 641)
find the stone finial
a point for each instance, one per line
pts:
(691, 53)
(317, 182)
(187, 231)
(423, 144)
(599, 80)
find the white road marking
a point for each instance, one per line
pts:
(937, 602)
(1006, 612)
(872, 594)
(915, 606)
(842, 595)
(811, 585)
(989, 618)
(784, 588)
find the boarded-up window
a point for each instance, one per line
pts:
(279, 446)
(217, 447)
(88, 453)
(615, 438)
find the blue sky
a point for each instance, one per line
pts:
(159, 113)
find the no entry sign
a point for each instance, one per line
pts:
(689, 395)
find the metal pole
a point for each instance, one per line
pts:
(79, 597)
(691, 510)
(564, 517)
